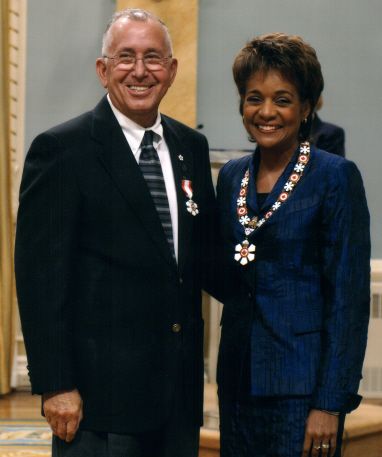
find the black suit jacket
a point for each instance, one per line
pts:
(328, 137)
(98, 289)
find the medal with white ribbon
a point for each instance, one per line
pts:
(192, 207)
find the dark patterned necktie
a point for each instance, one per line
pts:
(152, 172)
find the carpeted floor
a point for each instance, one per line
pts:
(24, 438)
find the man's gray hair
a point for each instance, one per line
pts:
(135, 14)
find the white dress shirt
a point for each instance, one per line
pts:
(134, 135)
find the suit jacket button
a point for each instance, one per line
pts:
(176, 328)
(180, 280)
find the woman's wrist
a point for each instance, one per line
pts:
(332, 413)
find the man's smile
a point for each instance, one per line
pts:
(140, 88)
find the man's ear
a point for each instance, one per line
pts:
(173, 69)
(101, 69)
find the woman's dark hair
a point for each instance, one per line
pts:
(294, 59)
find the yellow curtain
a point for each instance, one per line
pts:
(6, 226)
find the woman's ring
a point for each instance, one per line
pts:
(325, 446)
(317, 448)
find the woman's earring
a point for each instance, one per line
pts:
(304, 121)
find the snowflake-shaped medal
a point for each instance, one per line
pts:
(299, 167)
(288, 186)
(244, 220)
(245, 181)
(305, 148)
(276, 205)
(260, 222)
(192, 207)
(241, 201)
(245, 252)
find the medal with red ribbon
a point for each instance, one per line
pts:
(192, 207)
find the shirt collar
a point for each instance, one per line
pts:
(134, 132)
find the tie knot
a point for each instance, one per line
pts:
(148, 139)
(148, 152)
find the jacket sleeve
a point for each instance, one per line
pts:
(345, 241)
(44, 263)
(209, 221)
(224, 272)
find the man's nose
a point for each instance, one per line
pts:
(139, 69)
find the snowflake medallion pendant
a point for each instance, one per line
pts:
(245, 252)
(192, 207)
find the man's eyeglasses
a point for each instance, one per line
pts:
(128, 61)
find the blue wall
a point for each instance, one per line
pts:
(347, 36)
(63, 42)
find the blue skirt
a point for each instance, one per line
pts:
(266, 426)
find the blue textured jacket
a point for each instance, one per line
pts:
(300, 311)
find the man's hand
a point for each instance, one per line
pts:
(320, 434)
(63, 411)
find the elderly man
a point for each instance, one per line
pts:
(113, 235)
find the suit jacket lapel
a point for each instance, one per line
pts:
(117, 158)
(280, 183)
(253, 165)
(277, 188)
(182, 169)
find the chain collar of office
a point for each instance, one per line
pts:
(191, 205)
(245, 251)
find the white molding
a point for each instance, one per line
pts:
(17, 76)
(371, 384)
(20, 377)
(376, 270)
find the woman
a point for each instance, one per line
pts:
(295, 228)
